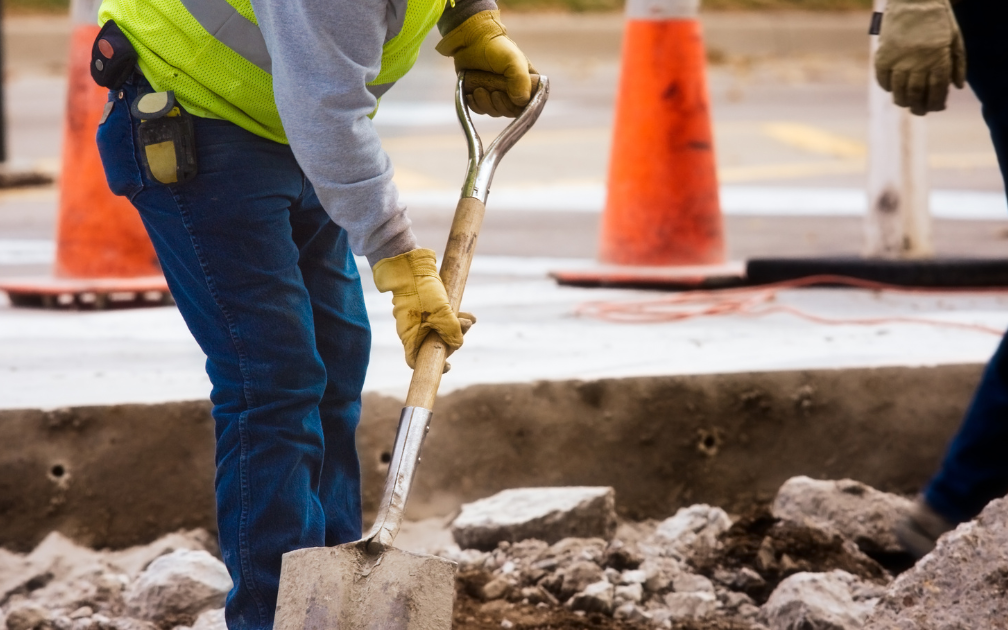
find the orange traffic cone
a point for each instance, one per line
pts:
(103, 254)
(662, 221)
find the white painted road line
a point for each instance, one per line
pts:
(735, 201)
(27, 251)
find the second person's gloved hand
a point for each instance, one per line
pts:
(481, 43)
(419, 301)
(920, 53)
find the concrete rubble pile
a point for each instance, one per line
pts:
(655, 574)
(647, 579)
(560, 548)
(172, 582)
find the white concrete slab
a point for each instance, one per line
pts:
(527, 331)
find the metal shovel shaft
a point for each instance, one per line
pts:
(414, 422)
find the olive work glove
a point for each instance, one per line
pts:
(920, 52)
(419, 301)
(481, 43)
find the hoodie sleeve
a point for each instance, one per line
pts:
(324, 52)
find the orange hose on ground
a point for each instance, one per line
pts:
(758, 301)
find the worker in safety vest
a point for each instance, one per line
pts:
(923, 48)
(241, 131)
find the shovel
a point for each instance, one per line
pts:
(369, 584)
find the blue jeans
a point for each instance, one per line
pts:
(269, 288)
(975, 469)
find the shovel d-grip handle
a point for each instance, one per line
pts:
(414, 422)
(490, 81)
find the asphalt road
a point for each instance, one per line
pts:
(789, 108)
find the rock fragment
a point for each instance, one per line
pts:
(123, 623)
(683, 606)
(691, 531)
(548, 514)
(578, 576)
(854, 510)
(177, 587)
(596, 597)
(496, 588)
(622, 557)
(819, 601)
(560, 555)
(659, 573)
(692, 583)
(963, 583)
(632, 593)
(29, 616)
(631, 613)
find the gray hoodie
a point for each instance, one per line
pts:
(324, 52)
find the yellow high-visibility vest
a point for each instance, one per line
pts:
(226, 73)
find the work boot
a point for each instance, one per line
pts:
(920, 529)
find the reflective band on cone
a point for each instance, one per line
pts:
(102, 248)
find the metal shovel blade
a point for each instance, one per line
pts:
(348, 588)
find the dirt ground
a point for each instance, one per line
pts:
(776, 549)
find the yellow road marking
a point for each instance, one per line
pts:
(814, 139)
(793, 170)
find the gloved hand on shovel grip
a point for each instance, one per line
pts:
(419, 301)
(920, 53)
(481, 43)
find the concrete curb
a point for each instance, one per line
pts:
(121, 475)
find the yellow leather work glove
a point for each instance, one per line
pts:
(481, 43)
(920, 52)
(419, 301)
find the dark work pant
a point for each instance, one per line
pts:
(975, 469)
(269, 289)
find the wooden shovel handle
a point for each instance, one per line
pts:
(454, 273)
(490, 81)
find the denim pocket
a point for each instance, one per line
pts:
(117, 149)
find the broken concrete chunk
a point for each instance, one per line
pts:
(549, 514)
(133, 560)
(659, 573)
(538, 594)
(177, 587)
(692, 530)
(963, 583)
(852, 509)
(817, 601)
(561, 555)
(125, 623)
(29, 616)
(631, 613)
(682, 606)
(578, 576)
(622, 557)
(496, 588)
(629, 593)
(597, 597)
(733, 600)
(692, 583)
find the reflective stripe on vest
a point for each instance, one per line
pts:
(232, 29)
(235, 31)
